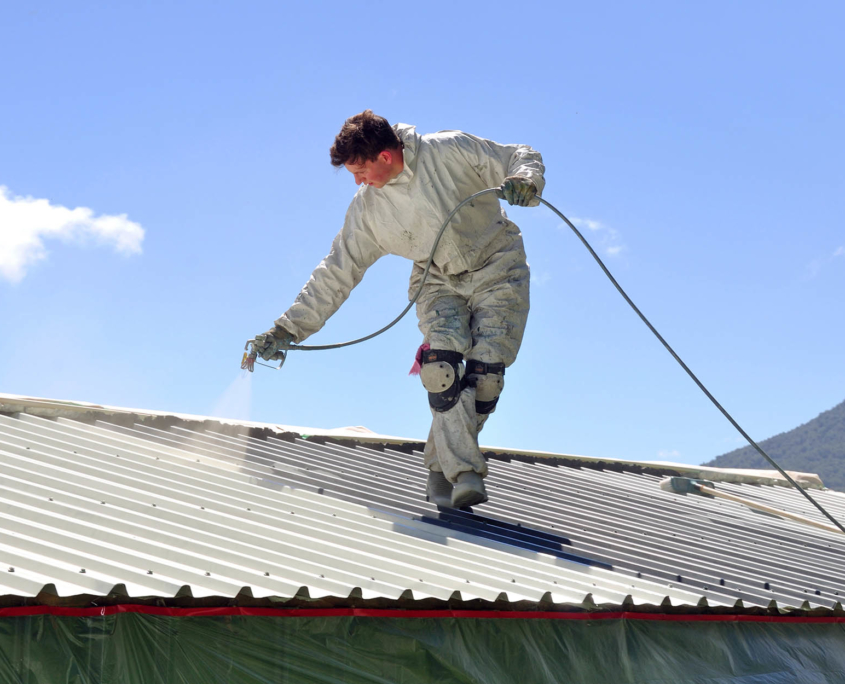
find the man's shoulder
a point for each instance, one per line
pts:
(446, 143)
(443, 137)
(359, 204)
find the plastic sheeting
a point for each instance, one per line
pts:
(137, 648)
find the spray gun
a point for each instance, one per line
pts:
(251, 354)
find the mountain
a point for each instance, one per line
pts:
(814, 447)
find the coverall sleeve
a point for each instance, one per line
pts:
(353, 251)
(494, 162)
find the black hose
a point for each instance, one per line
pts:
(627, 299)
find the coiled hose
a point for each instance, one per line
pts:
(639, 313)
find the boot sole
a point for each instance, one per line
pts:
(439, 501)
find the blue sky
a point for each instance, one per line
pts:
(700, 146)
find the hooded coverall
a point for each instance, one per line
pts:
(475, 299)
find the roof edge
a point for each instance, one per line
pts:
(88, 412)
(48, 603)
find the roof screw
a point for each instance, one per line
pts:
(82, 570)
(639, 575)
(266, 574)
(322, 577)
(202, 508)
(11, 569)
(513, 580)
(154, 505)
(208, 574)
(50, 498)
(102, 502)
(818, 593)
(721, 582)
(679, 578)
(149, 572)
(249, 509)
(766, 586)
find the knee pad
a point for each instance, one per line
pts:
(442, 375)
(489, 381)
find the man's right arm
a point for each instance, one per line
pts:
(353, 251)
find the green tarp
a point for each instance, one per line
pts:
(137, 648)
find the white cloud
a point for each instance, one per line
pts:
(609, 240)
(26, 222)
(663, 453)
(816, 265)
(587, 223)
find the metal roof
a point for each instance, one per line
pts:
(186, 509)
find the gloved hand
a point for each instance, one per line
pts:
(518, 190)
(268, 344)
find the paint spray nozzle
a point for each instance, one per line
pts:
(251, 355)
(248, 361)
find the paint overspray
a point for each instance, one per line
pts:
(233, 405)
(236, 400)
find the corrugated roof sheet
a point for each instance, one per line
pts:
(187, 510)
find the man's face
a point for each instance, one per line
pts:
(376, 173)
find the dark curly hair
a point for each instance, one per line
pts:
(362, 138)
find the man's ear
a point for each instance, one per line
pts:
(386, 156)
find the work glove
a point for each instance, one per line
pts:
(270, 343)
(518, 190)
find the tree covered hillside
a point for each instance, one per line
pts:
(815, 447)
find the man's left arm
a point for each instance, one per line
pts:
(505, 165)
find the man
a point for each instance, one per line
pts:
(474, 303)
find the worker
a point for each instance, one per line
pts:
(474, 303)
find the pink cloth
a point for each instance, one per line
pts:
(415, 369)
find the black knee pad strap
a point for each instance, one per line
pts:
(443, 401)
(485, 407)
(481, 368)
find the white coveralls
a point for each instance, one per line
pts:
(475, 299)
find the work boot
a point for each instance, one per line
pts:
(438, 489)
(469, 490)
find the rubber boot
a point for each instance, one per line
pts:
(469, 490)
(438, 489)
